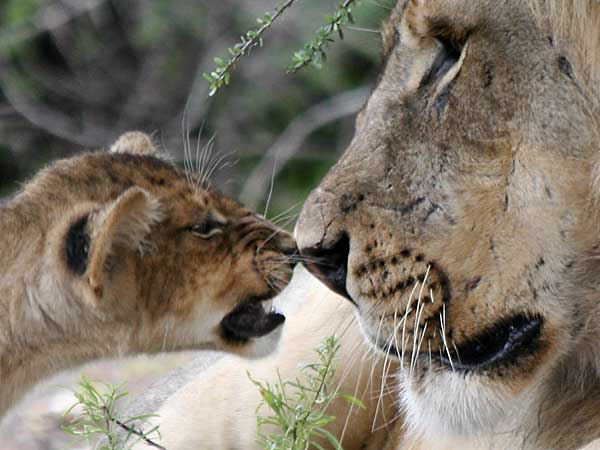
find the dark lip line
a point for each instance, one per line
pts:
(524, 341)
(518, 341)
(248, 300)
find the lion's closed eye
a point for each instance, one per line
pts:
(448, 56)
(427, 51)
(451, 50)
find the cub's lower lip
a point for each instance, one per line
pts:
(250, 320)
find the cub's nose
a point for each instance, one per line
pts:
(286, 244)
(329, 264)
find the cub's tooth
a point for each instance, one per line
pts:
(267, 306)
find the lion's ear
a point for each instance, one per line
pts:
(135, 142)
(116, 229)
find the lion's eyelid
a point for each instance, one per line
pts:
(453, 72)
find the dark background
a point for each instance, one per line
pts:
(74, 74)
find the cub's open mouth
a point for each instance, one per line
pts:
(253, 318)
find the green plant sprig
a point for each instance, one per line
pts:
(299, 407)
(313, 52)
(253, 38)
(99, 420)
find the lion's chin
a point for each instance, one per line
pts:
(453, 404)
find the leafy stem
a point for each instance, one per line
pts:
(98, 419)
(132, 430)
(298, 416)
(313, 52)
(222, 74)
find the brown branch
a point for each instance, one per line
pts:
(251, 39)
(50, 120)
(132, 430)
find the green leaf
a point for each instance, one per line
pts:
(316, 445)
(351, 399)
(331, 438)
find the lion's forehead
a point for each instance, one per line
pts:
(571, 26)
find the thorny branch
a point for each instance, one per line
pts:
(253, 38)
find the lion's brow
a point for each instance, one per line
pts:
(388, 30)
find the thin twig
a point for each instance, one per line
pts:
(292, 138)
(314, 52)
(251, 39)
(133, 430)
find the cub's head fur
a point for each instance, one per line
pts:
(124, 240)
(463, 218)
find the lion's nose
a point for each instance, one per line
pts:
(324, 241)
(330, 264)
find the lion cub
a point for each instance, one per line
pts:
(115, 253)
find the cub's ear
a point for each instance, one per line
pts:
(136, 143)
(116, 229)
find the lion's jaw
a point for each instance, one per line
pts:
(457, 405)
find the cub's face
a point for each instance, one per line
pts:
(144, 248)
(459, 220)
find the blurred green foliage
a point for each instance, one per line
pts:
(79, 73)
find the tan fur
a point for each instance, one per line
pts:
(145, 282)
(576, 25)
(480, 187)
(135, 142)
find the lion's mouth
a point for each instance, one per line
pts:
(253, 318)
(504, 343)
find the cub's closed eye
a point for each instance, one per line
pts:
(207, 228)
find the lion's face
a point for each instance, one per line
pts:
(150, 251)
(457, 219)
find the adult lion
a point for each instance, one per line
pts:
(462, 222)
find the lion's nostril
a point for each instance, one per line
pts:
(330, 265)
